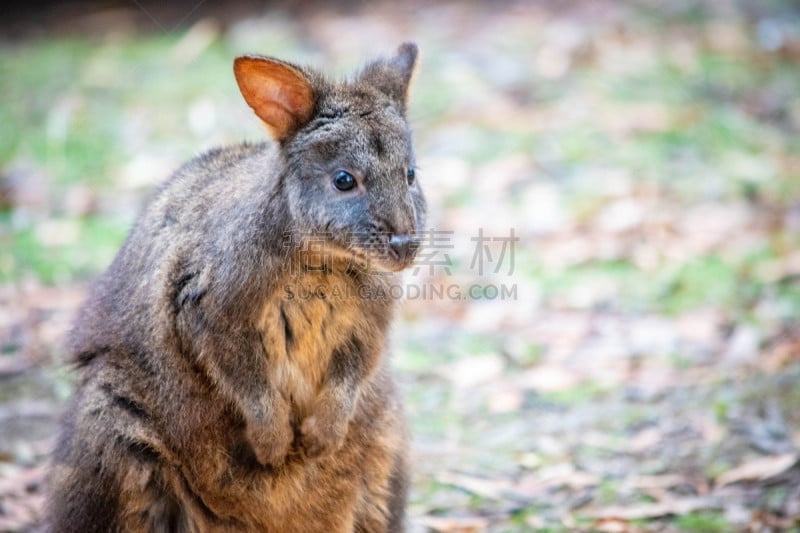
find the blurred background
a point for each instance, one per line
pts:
(603, 335)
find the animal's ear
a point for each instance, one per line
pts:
(393, 75)
(279, 93)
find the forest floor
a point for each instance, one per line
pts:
(604, 332)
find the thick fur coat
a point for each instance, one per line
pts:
(232, 374)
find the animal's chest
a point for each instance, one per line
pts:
(303, 323)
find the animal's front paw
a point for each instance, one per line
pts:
(271, 437)
(323, 432)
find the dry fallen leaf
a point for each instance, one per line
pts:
(645, 439)
(653, 510)
(473, 371)
(665, 481)
(506, 401)
(782, 354)
(549, 378)
(21, 498)
(556, 476)
(496, 489)
(759, 469)
(21, 480)
(14, 365)
(452, 524)
(614, 525)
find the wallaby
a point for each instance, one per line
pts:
(231, 363)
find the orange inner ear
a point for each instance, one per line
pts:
(279, 94)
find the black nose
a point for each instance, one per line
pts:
(404, 247)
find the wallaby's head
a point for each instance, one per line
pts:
(346, 145)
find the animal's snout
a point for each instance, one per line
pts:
(404, 247)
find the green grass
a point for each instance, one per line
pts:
(702, 522)
(88, 247)
(672, 288)
(580, 394)
(83, 112)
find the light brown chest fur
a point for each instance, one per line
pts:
(303, 322)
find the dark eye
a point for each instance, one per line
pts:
(344, 181)
(411, 176)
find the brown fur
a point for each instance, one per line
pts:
(229, 382)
